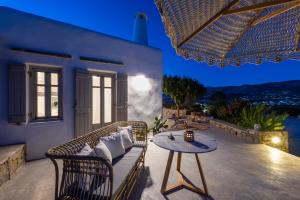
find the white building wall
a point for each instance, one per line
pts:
(23, 30)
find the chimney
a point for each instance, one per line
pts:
(140, 34)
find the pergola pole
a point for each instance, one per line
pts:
(258, 6)
(297, 39)
(276, 13)
(214, 18)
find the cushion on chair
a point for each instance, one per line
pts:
(102, 151)
(140, 144)
(123, 166)
(127, 142)
(114, 144)
(86, 151)
(128, 129)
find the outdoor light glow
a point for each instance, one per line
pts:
(275, 155)
(141, 83)
(276, 140)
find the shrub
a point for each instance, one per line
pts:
(217, 101)
(228, 111)
(235, 108)
(244, 114)
(260, 114)
(196, 108)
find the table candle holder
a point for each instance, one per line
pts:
(189, 136)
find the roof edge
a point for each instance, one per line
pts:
(76, 26)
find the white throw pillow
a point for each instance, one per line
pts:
(86, 151)
(127, 142)
(102, 151)
(128, 129)
(114, 144)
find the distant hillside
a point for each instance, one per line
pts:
(282, 96)
(286, 87)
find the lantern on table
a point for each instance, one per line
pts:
(189, 136)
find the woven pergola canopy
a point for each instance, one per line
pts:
(233, 32)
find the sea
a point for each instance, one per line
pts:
(292, 126)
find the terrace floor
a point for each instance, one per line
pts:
(236, 170)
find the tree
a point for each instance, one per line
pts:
(184, 91)
(194, 90)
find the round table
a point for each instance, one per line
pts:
(201, 144)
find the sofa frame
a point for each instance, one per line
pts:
(95, 171)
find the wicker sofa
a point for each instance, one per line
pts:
(104, 180)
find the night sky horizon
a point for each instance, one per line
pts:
(116, 17)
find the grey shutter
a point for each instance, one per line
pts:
(83, 123)
(122, 97)
(16, 94)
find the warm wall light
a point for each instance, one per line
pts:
(276, 140)
(141, 83)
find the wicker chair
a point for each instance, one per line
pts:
(93, 178)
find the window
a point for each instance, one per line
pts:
(102, 99)
(46, 87)
(107, 100)
(96, 91)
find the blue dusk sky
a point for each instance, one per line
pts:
(115, 17)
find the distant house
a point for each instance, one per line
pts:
(59, 81)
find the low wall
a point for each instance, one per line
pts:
(11, 158)
(265, 137)
(250, 135)
(167, 112)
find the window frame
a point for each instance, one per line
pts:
(33, 69)
(102, 75)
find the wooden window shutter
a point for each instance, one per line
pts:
(122, 97)
(17, 94)
(83, 122)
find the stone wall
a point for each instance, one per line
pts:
(265, 137)
(11, 158)
(167, 112)
(235, 130)
(253, 136)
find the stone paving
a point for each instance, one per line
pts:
(235, 171)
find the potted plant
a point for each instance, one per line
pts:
(158, 124)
